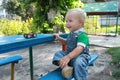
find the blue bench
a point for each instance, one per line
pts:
(12, 60)
(56, 74)
(92, 60)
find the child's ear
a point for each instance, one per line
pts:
(81, 22)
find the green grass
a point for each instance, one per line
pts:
(104, 30)
(115, 52)
(116, 73)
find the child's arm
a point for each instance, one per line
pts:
(75, 52)
(65, 60)
(62, 40)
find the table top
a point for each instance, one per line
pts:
(12, 43)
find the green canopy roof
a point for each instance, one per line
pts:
(101, 8)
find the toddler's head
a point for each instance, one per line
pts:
(75, 18)
(78, 12)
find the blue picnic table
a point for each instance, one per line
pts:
(17, 42)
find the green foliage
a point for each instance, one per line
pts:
(102, 30)
(119, 30)
(39, 9)
(115, 52)
(13, 27)
(43, 7)
(19, 8)
(92, 22)
(116, 73)
(59, 20)
(10, 5)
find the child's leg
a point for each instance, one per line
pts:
(58, 55)
(81, 67)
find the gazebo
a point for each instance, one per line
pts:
(103, 8)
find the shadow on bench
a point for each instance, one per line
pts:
(56, 74)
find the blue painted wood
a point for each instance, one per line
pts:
(17, 42)
(56, 74)
(92, 60)
(12, 43)
(11, 59)
(64, 35)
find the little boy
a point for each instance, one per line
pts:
(75, 59)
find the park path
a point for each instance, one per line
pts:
(43, 57)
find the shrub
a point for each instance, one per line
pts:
(14, 27)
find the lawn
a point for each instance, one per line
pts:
(115, 52)
(103, 30)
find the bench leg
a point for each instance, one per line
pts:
(12, 70)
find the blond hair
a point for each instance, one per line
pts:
(81, 14)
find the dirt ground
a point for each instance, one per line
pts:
(42, 56)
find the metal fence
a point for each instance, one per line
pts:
(105, 25)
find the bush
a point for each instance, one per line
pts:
(14, 27)
(92, 22)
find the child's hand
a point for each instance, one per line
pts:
(57, 37)
(64, 61)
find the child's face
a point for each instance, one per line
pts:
(73, 23)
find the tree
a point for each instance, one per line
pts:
(43, 12)
(19, 8)
(45, 7)
(10, 5)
